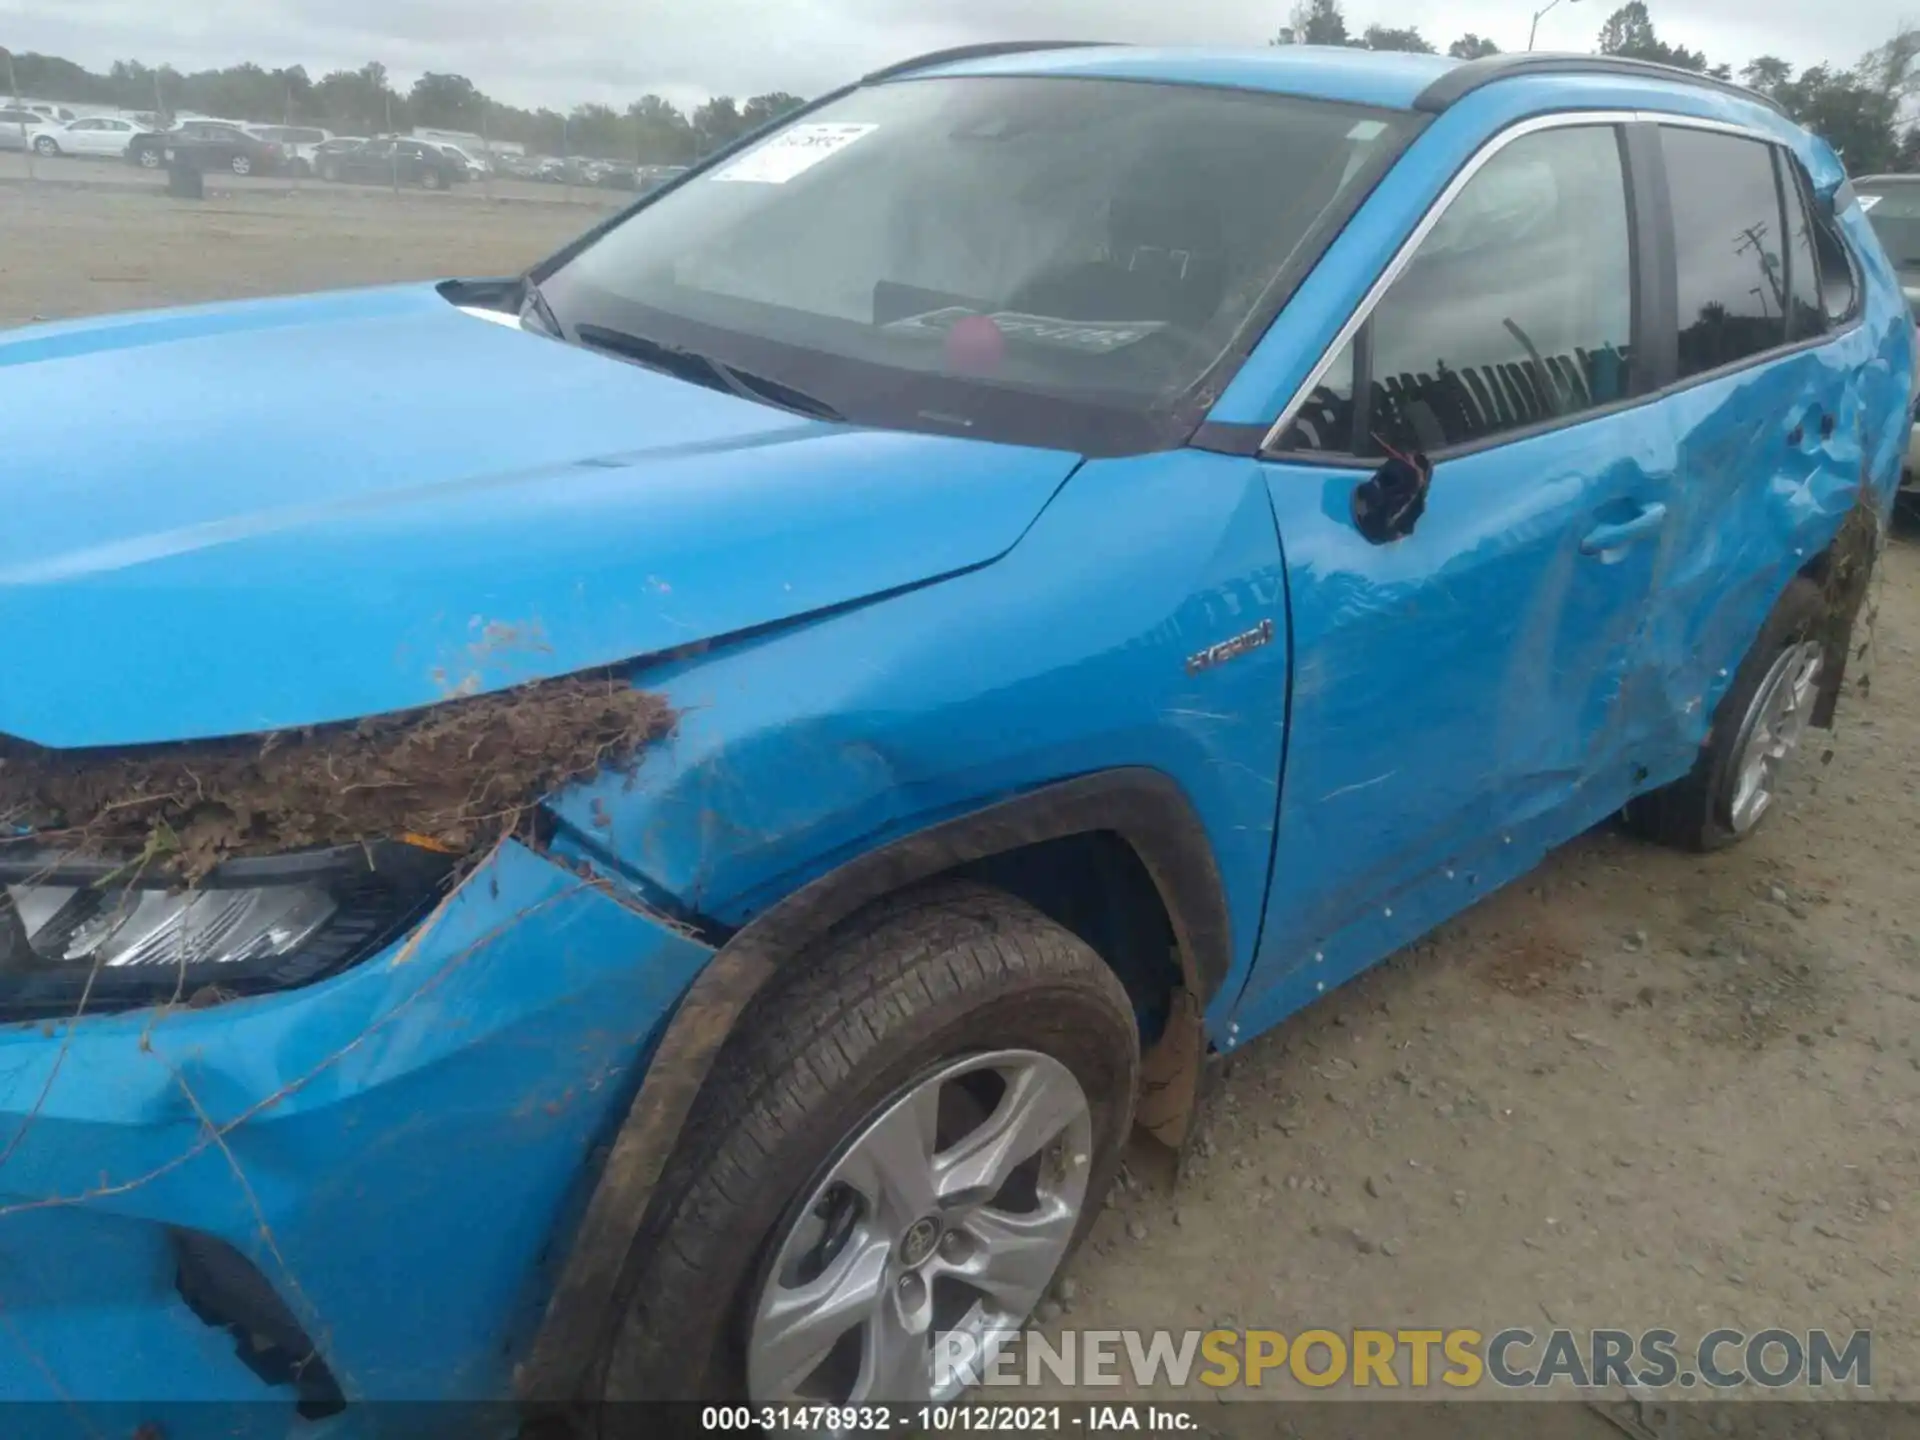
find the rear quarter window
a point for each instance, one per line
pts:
(1729, 247)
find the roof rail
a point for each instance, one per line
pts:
(980, 52)
(1464, 79)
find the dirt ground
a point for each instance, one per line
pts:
(70, 251)
(1637, 1089)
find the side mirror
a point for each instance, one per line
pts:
(1389, 503)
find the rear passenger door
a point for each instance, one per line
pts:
(1763, 416)
(1457, 694)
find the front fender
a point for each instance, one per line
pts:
(1046, 695)
(803, 749)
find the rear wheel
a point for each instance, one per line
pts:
(430, 180)
(150, 158)
(1756, 735)
(907, 1137)
(46, 145)
(242, 164)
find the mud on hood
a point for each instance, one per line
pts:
(274, 514)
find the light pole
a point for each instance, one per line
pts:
(13, 87)
(1536, 19)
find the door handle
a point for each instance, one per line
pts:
(1643, 526)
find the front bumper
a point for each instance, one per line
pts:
(395, 1150)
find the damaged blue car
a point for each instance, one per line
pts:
(1017, 578)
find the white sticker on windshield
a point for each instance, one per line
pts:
(794, 150)
(1092, 337)
(1867, 202)
(1366, 130)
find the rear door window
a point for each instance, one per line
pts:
(1729, 238)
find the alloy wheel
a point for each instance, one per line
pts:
(1771, 730)
(949, 1209)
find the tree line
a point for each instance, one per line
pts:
(1857, 110)
(651, 130)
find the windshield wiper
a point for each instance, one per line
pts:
(706, 370)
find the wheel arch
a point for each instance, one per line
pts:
(1843, 571)
(1148, 817)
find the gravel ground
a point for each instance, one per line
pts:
(1637, 1089)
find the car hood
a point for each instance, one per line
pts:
(273, 514)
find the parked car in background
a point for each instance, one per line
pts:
(1892, 203)
(57, 113)
(17, 127)
(475, 165)
(209, 145)
(298, 143)
(99, 136)
(652, 177)
(394, 162)
(328, 149)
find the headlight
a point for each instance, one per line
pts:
(251, 926)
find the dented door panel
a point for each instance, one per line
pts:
(1456, 694)
(1762, 483)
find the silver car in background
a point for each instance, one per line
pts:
(1892, 203)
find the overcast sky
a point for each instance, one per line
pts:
(561, 52)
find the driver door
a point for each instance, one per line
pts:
(1462, 695)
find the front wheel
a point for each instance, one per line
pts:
(46, 145)
(151, 159)
(242, 165)
(430, 180)
(1757, 729)
(905, 1137)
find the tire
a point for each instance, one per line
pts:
(330, 172)
(151, 159)
(430, 180)
(46, 145)
(898, 993)
(241, 165)
(1697, 812)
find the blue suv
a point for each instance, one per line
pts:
(1013, 581)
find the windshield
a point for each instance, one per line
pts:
(1049, 261)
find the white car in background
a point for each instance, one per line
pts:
(296, 142)
(477, 168)
(1892, 203)
(17, 127)
(101, 136)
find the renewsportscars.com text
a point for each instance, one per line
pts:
(1445, 1360)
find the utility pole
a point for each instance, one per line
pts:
(1536, 19)
(486, 152)
(13, 84)
(1753, 238)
